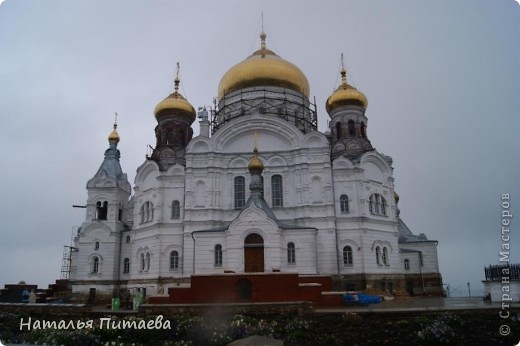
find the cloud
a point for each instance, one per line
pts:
(441, 81)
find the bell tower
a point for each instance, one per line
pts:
(109, 189)
(348, 126)
(107, 213)
(173, 132)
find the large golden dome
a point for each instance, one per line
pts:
(345, 94)
(175, 104)
(263, 68)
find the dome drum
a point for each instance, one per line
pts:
(173, 134)
(270, 101)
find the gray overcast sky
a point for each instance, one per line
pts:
(441, 78)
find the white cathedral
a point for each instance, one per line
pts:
(260, 189)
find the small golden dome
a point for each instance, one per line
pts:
(255, 164)
(176, 103)
(114, 136)
(396, 197)
(263, 68)
(345, 94)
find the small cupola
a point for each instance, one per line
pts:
(345, 94)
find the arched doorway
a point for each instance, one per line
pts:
(254, 253)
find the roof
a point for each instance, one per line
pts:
(110, 167)
(406, 235)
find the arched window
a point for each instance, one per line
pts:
(169, 137)
(181, 137)
(378, 255)
(363, 130)
(347, 255)
(96, 245)
(127, 239)
(101, 210)
(147, 261)
(351, 128)
(174, 260)
(240, 192)
(277, 190)
(291, 253)
(95, 265)
(126, 266)
(385, 255)
(338, 130)
(146, 212)
(143, 263)
(377, 205)
(406, 264)
(150, 211)
(343, 204)
(218, 255)
(176, 210)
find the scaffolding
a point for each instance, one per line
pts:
(282, 103)
(66, 261)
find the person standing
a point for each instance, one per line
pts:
(137, 295)
(32, 297)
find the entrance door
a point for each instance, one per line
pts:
(254, 253)
(409, 288)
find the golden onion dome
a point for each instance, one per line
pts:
(345, 94)
(255, 164)
(114, 136)
(176, 104)
(263, 68)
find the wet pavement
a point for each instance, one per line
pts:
(422, 304)
(396, 305)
